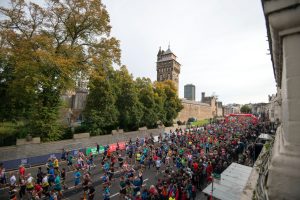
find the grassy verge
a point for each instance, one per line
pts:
(201, 122)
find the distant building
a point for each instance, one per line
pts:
(190, 92)
(232, 109)
(167, 66)
(274, 108)
(216, 107)
(259, 109)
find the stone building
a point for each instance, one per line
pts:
(74, 104)
(212, 101)
(194, 109)
(167, 66)
(216, 106)
(220, 110)
(231, 109)
(274, 108)
(280, 178)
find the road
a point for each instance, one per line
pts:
(149, 175)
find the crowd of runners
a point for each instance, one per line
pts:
(185, 161)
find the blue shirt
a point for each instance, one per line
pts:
(77, 176)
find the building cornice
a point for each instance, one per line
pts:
(282, 19)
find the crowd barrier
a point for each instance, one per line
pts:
(10, 165)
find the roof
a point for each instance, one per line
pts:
(232, 182)
(168, 51)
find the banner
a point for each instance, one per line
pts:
(93, 150)
(90, 150)
(113, 147)
(122, 145)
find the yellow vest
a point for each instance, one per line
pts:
(138, 156)
(55, 163)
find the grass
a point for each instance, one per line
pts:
(200, 122)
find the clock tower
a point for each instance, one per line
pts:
(167, 66)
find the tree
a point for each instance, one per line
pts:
(245, 109)
(45, 49)
(101, 112)
(171, 103)
(147, 98)
(129, 106)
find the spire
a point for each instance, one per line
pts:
(159, 51)
(168, 50)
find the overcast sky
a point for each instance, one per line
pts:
(221, 45)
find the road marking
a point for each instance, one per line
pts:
(114, 195)
(71, 187)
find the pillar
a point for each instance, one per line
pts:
(283, 22)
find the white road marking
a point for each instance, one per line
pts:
(114, 195)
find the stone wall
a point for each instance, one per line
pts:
(219, 111)
(194, 109)
(31, 150)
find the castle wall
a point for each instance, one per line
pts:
(194, 109)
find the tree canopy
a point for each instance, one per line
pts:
(245, 109)
(134, 103)
(46, 49)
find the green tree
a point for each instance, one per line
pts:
(46, 48)
(171, 103)
(245, 109)
(101, 112)
(147, 99)
(128, 104)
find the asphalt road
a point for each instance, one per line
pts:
(149, 175)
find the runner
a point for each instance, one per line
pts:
(57, 186)
(29, 184)
(184, 160)
(91, 193)
(77, 176)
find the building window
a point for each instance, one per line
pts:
(160, 77)
(169, 76)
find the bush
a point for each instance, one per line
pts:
(8, 133)
(80, 129)
(67, 134)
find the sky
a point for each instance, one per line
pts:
(221, 45)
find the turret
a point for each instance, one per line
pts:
(159, 52)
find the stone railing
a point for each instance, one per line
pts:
(256, 184)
